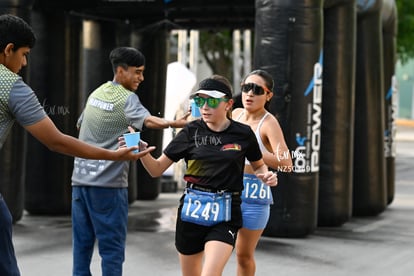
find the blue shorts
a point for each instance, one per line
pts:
(255, 216)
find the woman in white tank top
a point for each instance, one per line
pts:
(256, 199)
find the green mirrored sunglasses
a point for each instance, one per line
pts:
(211, 102)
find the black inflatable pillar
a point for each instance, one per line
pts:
(389, 42)
(55, 80)
(97, 42)
(153, 43)
(13, 153)
(288, 44)
(338, 98)
(369, 189)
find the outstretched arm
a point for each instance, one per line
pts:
(156, 167)
(47, 133)
(160, 123)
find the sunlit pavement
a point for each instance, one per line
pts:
(380, 245)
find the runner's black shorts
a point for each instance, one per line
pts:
(190, 238)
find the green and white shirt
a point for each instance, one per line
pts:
(109, 110)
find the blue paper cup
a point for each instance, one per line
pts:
(195, 110)
(132, 139)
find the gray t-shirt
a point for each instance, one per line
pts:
(18, 103)
(109, 110)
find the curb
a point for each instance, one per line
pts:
(404, 122)
(405, 130)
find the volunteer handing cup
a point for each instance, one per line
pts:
(132, 139)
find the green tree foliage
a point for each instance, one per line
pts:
(405, 35)
(216, 46)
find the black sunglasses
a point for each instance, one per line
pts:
(257, 89)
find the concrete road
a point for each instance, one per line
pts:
(380, 245)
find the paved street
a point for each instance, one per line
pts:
(381, 245)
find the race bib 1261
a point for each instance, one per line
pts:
(255, 191)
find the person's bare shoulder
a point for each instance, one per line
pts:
(236, 112)
(271, 118)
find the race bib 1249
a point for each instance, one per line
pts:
(206, 208)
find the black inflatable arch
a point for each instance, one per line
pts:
(335, 176)
(369, 187)
(326, 62)
(293, 53)
(389, 37)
